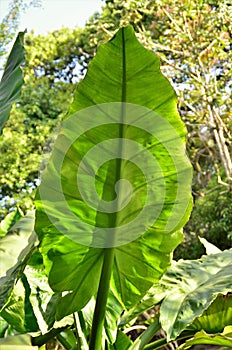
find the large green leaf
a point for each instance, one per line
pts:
(118, 177)
(12, 79)
(193, 285)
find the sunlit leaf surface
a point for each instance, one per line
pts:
(118, 177)
(193, 285)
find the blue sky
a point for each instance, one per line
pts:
(54, 14)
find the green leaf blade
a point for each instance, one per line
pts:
(12, 79)
(193, 286)
(121, 98)
(18, 342)
(16, 249)
(223, 339)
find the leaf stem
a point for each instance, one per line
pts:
(104, 285)
(64, 342)
(44, 338)
(77, 333)
(146, 336)
(81, 339)
(158, 344)
(100, 307)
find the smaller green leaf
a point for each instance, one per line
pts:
(40, 296)
(43, 300)
(50, 311)
(147, 335)
(193, 285)
(122, 342)
(17, 342)
(13, 312)
(12, 79)
(154, 296)
(16, 248)
(9, 221)
(31, 305)
(4, 326)
(220, 339)
(18, 311)
(216, 317)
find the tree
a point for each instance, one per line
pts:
(27, 135)
(9, 24)
(211, 219)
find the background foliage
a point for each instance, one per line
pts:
(193, 41)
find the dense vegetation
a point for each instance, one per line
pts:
(110, 290)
